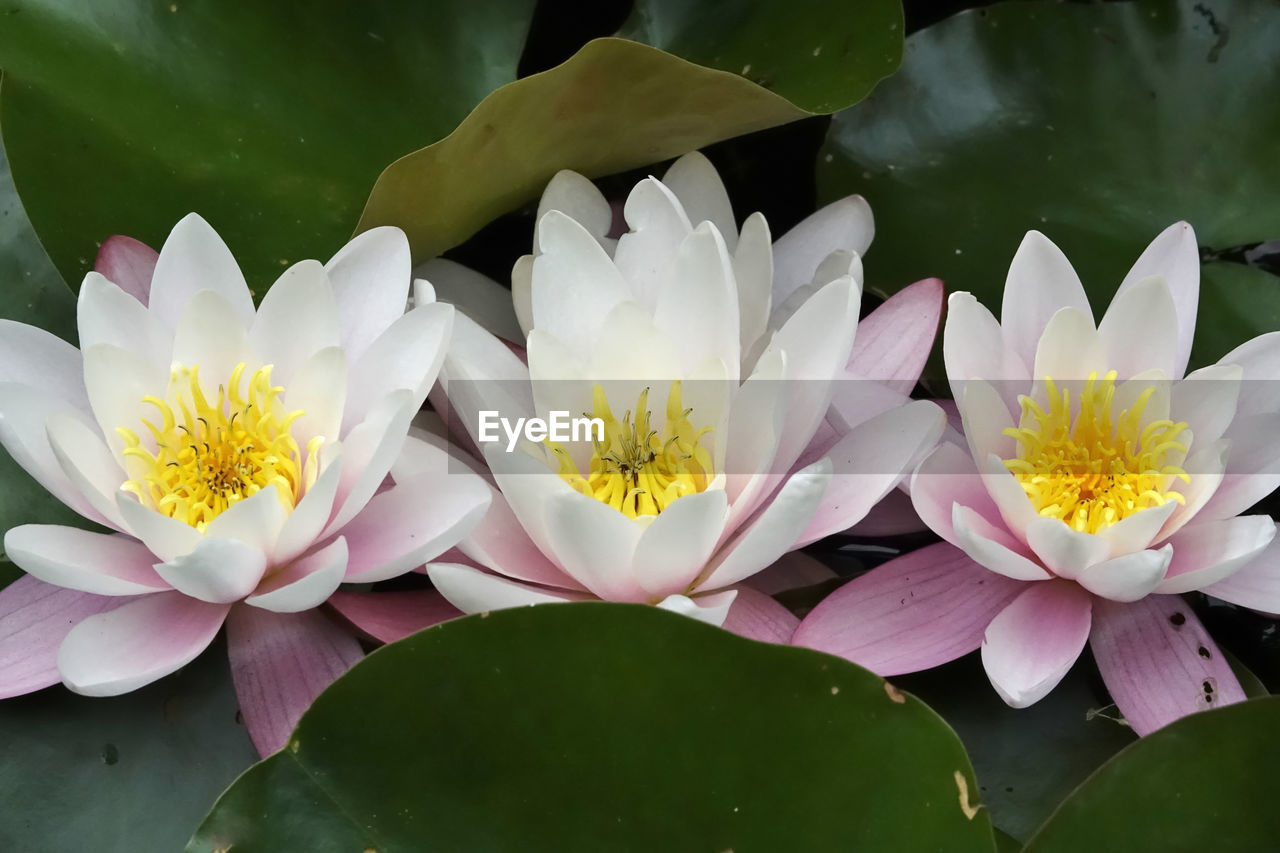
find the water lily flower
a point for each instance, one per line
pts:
(236, 457)
(1099, 481)
(713, 360)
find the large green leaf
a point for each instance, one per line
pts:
(605, 727)
(31, 291)
(617, 104)
(1096, 123)
(120, 775)
(1202, 783)
(270, 119)
(1027, 760)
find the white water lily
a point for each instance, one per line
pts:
(237, 455)
(711, 356)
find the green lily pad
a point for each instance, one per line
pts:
(1201, 783)
(605, 727)
(270, 120)
(618, 104)
(33, 293)
(124, 774)
(1097, 123)
(1027, 760)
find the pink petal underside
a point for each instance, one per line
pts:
(1158, 661)
(915, 612)
(34, 617)
(391, 616)
(756, 616)
(128, 264)
(280, 662)
(893, 341)
(1032, 643)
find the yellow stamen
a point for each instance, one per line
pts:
(1095, 473)
(634, 469)
(210, 455)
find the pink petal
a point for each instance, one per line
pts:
(499, 542)
(34, 619)
(391, 616)
(915, 612)
(756, 616)
(1256, 584)
(893, 516)
(279, 664)
(1159, 662)
(870, 461)
(1205, 552)
(304, 583)
(893, 342)
(98, 563)
(793, 570)
(412, 523)
(1032, 643)
(135, 644)
(945, 478)
(994, 547)
(128, 264)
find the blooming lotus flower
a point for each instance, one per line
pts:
(237, 457)
(711, 359)
(1098, 484)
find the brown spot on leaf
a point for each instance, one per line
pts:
(970, 811)
(894, 693)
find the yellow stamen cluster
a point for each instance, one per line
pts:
(217, 452)
(634, 469)
(1095, 473)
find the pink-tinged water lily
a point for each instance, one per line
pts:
(236, 455)
(738, 422)
(1099, 481)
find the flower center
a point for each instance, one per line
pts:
(1095, 473)
(217, 453)
(636, 470)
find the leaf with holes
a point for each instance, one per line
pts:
(605, 727)
(1096, 123)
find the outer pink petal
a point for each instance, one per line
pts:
(1256, 584)
(945, 478)
(34, 619)
(129, 264)
(918, 611)
(793, 570)
(756, 616)
(391, 616)
(893, 342)
(1032, 643)
(135, 644)
(1159, 662)
(279, 664)
(499, 542)
(98, 563)
(1206, 552)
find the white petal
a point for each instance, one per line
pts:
(699, 306)
(24, 415)
(478, 296)
(167, 537)
(193, 259)
(993, 547)
(576, 197)
(844, 224)
(367, 453)
(1071, 348)
(318, 388)
(1140, 329)
(105, 314)
(31, 356)
(522, 294)
(646, 254)
(473, 591)
(753, 271)
(1041, 280)
(1174, 256)
(305, 523)
(773, 532)
(87, 462)
(712, 608)
(1206, 400)
(370, 280)
(305, 583)
(117, 380)
(574, 282)
(1064, 550)
(255, 520)
(218, 571)
(594, 543)
(1206, 552)
(98, 563)
(675, 547)
(985, 420)
(697, 185)
(973, 348)
(1138, 530)
(1129, 577)
(408, 355)
(297, 318)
